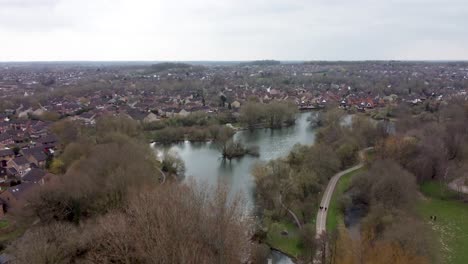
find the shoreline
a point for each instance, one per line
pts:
(293, 259)
(236, 130)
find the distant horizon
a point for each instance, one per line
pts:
(224, 61)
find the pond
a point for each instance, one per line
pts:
(204, 163)
(203, 160)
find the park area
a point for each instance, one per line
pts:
(451, 224)
(335, 214)
(289, 243)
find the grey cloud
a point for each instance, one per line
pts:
(242, 29)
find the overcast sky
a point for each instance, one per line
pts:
(233, 29)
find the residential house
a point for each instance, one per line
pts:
(19, 124)
(34, 176)
(151, 117)
(38, 112)
(48, 141)
(4, 126)
(16, 196)
(136, 114)
(25, 113)
(235, 104)
(3, 174)
(6, 140)
(169, 111)
(183, 113)
(88, 118)
(5, 156)
(38, 129)
(20, 164)
(35, 156)
(21, 139)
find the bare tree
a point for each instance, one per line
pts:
(170, 223)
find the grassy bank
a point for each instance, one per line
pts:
(451, 225)
(335, 215)
(289, 244)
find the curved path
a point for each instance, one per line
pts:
(321, 223)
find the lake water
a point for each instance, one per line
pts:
(204, 163)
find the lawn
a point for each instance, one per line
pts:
(451, 225)
(334, 215)
(290, 243)
(4, 223)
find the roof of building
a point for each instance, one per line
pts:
(6, 152)
(21, 160)
(12, 171)
(29, 151)
(34, 175)
(5, 136)
(39, 156)
(47, 139)
(20, 190)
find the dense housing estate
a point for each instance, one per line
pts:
(35, 96)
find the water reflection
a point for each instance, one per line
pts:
(203, 160)
(279, 258)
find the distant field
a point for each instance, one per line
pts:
(334, 215)
(452, 221)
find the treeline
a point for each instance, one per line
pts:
(261, 63)
(164, 66)
(433, 144)
(288, 190)
(108, 205)
(196, 126)
(428, 146)
(195, 134)
(390, 231)
(201, 126)
(274, 114)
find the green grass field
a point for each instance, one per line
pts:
(335, 215)
(451, 225)
(289, 244)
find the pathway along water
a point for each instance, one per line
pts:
(203, 160)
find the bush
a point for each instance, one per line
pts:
(169, 135)
(237, 150)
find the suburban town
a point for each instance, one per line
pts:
(36, 97)
(147, 93)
